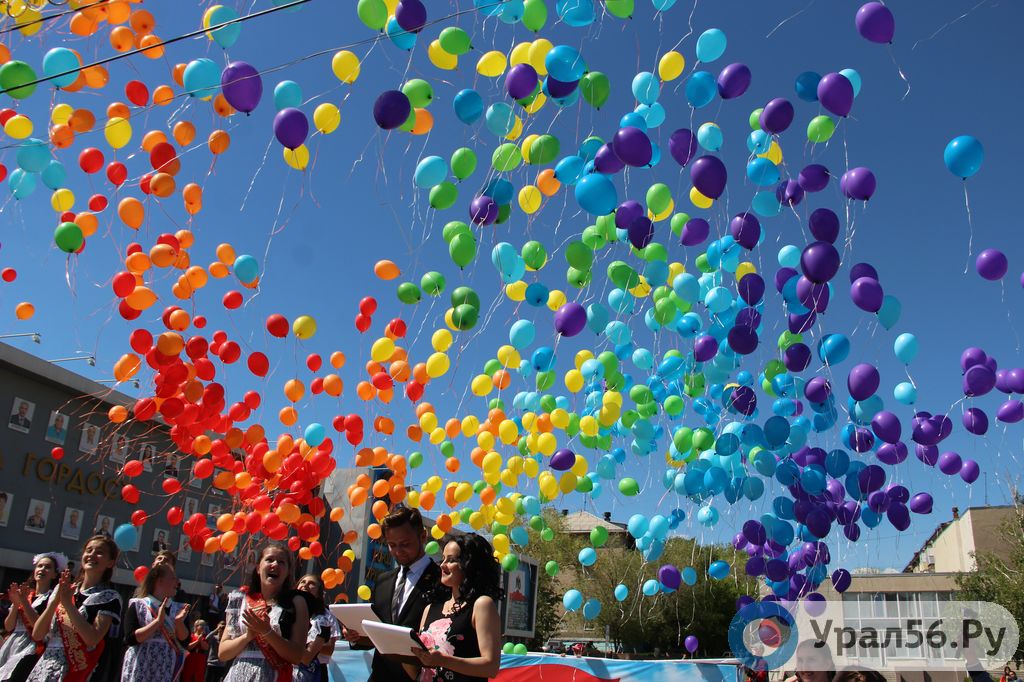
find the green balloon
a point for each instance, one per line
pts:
(537, 522)
(535, 14)
(465, 317)
(410, 122)
(622, 275)
(703, 264)
(674, 405)
(683, 439)
(68, 237)
(544, 381)
(13, 77)
(492, 366)
(655, 251)
(820, 129)
(703, 439)
(531, 98)
(629, 487)
(755, 119)
(678, 222)
(551, 568)
(373, 13)
(659, 196)
(506, 157)
(640, 394)
(478, 486)
(534, 254)
(465, 295)
(455, 227)
(595, 86)
(787, 339)
(447, 448)
(463, 162)
(608, 360)
(574, 425)
(507, 647)
(455, 41)
(773, 368)
(415, 459)
(606, 225)
(520, 649)
(504, 211)
(647, 410)
(432, 548)
(548, 403)
(544, 150)
(615, 381)
(547, 535)
(408, 293)
(598, 535)
(579, 256)
(432, 283)
(462, 249)
(419, 92)
(623, 9)
(584, 484)
(693, 385)
(593, 238)
(443, 196)
(578, 278)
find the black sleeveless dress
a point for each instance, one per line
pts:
(452, 634)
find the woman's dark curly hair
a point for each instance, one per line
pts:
(480, 570)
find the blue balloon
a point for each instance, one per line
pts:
(707, 516)
(202, 78)
(61, 60)
(404, 40)
(762, 172)
(54, 175)
(597, 317)
(646, 88)
(431, 171)
(575, 13)
(520, 536)
(663, 5)
(719, 570)
(759, 142)
(766, 205)
(225, 36)
(701, 88)
(711, 45)
(807, 86)
(21, 183)
(652, 114)
(905, 347)
(690, 576)
(487, 8)
(565, 64)
(125, 537)
(854, 79)
(889, 313)
(633, 120)
(315, 434)
(468, 106)
(709, 136)
(537, 294)
(569, 170)
(596, 194)
(637, 525)
(833, 349)
(572, 600)
(543, 359)
(963, 156)
(905, 393)
(651, 588)
(500, 189)
(500, 119)
(33, 155)
(512, 11)
(522, 334)
(587, 556)
(247, 269)
(592, 609)
(621, 592)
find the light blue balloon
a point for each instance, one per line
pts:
(500, 119)
(653, 114)
(430, 171)
(718, 300)
(568, 100)
(719, 570)
(21, 183)
(508, 262)
(690, 576)
(54, 175)
(709, 136)
(758, 142)
(686, 287)
(707, 516)
(889, 313)
(663, 5)
(33, 155)
(569, 170)
(468, 106)
(125, 537)
(643, 358)
(315, 434)
(60, 60)
(487, 8)
(905, 393)
(202, 78)
(587, 556)
(287, 94)
(905, 348)
(572, 600)
(637, 525)
(565, 63)
(711, 45)
(762, 172)
(592, 609)
(512, 11)
(854, 79)
(618, 332)
(655, 155)
(766, 205)
(963, 156)
(225, 36)
(597, 317)
(651, 588)
(833, 349)
(576, 13)
(645, 87)
(700, 89)
(520, 536)
(404, 40)
(521, 334)
(621, 592)
(596, 194)
(633, 120)
(500, 189)
(246, 268)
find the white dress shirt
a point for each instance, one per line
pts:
(412, 576)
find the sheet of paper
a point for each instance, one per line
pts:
(353, 615)
(391, 639)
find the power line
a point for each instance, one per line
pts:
(46, 17)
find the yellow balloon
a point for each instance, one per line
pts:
(304, 327)
(485, 440)
(345, 66)
(441, 59)
(437, 365)
(508, 431)
(491, 64)
(567, 482)
(29, 22)
(525, 146)
(382, 349)
(517, 130)
(61, 113)
(516, 291)
(413, 498)
(520, 54)
(529, 199)
(531, 468)
(744, 269)
(581, 357)
(326, 118)
(470, 424)
(538, 51)
(641, 290)
(671, 66)
(62, 200)
(698, 199)
(437, 436)
(589, 426)
(19, 127)
(297, 158)
(500, 542)
(559, 418)
(664, 214)
(364, 592)
(674, 270)
(556, 299)
(481, 385)
(508, 356)
(428, 421)
(536, 104)
(118, 132)
(774, 153)
(441, 340)
(574, 380)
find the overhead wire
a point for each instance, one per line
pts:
(47, 17)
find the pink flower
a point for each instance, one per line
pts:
(427, 637)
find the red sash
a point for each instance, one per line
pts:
(258, 606)
(179, 652)
(81, 661)
(39, 646)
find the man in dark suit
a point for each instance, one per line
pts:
(401, 594)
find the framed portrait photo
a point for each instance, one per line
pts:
(71, 528)
(89, 441)
(22, 412)
(35, 519)
(57, 428)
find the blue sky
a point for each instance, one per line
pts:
(318, 233)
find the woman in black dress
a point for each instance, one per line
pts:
(460, 629)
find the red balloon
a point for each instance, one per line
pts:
(139, 517)
(196, 347)
(9, 274)
(3, 171)
(202, 468)
(133, 247)
(171, 485)
(130, 494)
(137, 93)
(353, 422)
(258, 365)
(414, 390)
(294, 543)
(162, 154)
(117, 173)
(397, 327)
(127, 312)
(170, 240)
(97, 202)
(363, 322)
(140, 573)
(382, 381)
(277, 325)
(233, 300)
(132, 468)
(123, 284)
(67, 217)
(252, 400)
(144, 183)
(317, 385)
(90, 160)
(6, 115)
(199, 321)
(57, 453)
(368, 306)
(314, 362)
(145, 409)
(230, 352)
(338, 422)
(175, 515)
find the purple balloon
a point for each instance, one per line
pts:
(972, 356)
(975, 421)
(970, 471)
(928, 454)
(751, 288)
(782, 276)
(744, 341)
(1011, 412)
(743, 399)
(835, 92)
(798, 324)
(871, 478)
(818, 522)
(776, 116)
(291, 127)
(755, 565)
(562, 460)
(695, 231)
(745, 228)
(1016, 380)
(483, 210)
(748, 317)
(691, 643)
(858, 183)
(978, 380)
(520, 81)
(819, 262)
(892, 453)
(797, 357)
(813, 296)
(841, 580)
(875, 23)
(863, 381)
(633, 146)
(852, 532)
(391, 109)
(754, 532)
(867, 294)
(898, 516)
(817, 390)
(570, 319)
(824, 225)
(950, 463)
(627, 212)
(669, 576)
(241, 85)
(886, 426)
(789, 193)
(921, 503)
(814, 178)
(606, 162)
(862, 440)
(878, 502)
(992, 264)
(683, 146)
(733, 81)
(863, 270)
(640, 232)
(411, 15)
(709, 176)
(705, 348)
(558, 89)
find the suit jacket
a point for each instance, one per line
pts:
(387, 669)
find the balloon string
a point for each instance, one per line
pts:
(970, 229)
(948, 24)
(792, 16)
(903, 77)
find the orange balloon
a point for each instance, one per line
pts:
(62, 136)
(162, 185)
(118, 11)
(386, 270)
(87, 223)
(142, 21)
(131, 212)
(118, 110)
(218, 270)
(337, 359)
(192, 194)
(547, 183)
(163, 95)
(82, 120)
(122, 39)
(137, 263)
(140, 299)
(24, 311)
(124, 369)
(226, 254)
(151, 47)
(365, 390)
(83, 25)
(424, 122)
(5, 54)
(185, 238)
(117, 414)
(294, 390)
(219, 142)
(95, 76)
(184, 132)
(221, 106)
(152, 139)
(178, 73)
(333, 385)
(179, 320)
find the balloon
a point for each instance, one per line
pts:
(807, 86)
(709, 135)
(963, 154)
(646, 88)
(572, 600)
(373, 13)
(491, 64)
(835, 92)
(691, 643)
(326, 118)
(242, 86)
(125, 537)
(820, 129)
(565, 64)
(68, 237)
(711, 45)
(287, 95)
(225, 36)
(700, 89)
(520, 81)
(733, 81)
(411, 15)
(391, 109)
(595, 88)
(867, 294)
(862, 381)
(596, 194)
(905, 347)
(632, 146)
(875, 22)
(401, 38)
(776, 116)
(14, 76)
(345, 66)
(709, 176)
(291, 127)
(202, 78)
(61, 60)
(430, 171)
(671, 66)
(858, 183)
(683, 146)
(570, 319)
(468, 105)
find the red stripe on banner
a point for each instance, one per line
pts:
(549, 672)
